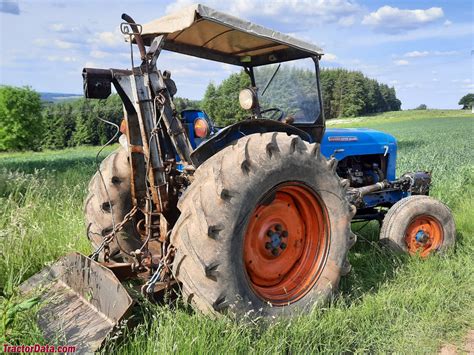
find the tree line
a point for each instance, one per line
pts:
(80, 122)
(350, 93)
(345, 93)
(28, 124)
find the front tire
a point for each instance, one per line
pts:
(418, 224)
(245, 203)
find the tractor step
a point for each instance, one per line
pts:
(82, 301)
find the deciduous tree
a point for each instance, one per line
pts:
(467, 101)
(20, 119)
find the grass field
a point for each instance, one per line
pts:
(387, 303)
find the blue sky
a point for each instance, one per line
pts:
(422, 48)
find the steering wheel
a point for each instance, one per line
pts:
(275, 111)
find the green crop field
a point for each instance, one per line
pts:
(388, 303)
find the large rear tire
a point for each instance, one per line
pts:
(265, 227)
(101, 215)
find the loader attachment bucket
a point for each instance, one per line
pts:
(82, 301)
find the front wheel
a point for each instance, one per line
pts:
(418, 225)
(265, 227)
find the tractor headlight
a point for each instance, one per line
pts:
(201, 128)
(247, 99)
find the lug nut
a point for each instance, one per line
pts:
(269, 233)
(284, 234)
(283, 246)
(268, 245)
(278, 228)
(275, 252)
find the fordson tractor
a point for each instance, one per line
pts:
(252, 218)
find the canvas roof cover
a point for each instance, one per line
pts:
(204, 32)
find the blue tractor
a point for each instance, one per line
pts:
(249, 219)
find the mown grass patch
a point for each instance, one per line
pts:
(388, 303)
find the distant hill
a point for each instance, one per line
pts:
(56, 96)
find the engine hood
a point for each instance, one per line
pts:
(344, 142)
(351, 136)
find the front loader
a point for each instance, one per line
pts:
(253, 218)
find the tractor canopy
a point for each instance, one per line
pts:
(203, 32)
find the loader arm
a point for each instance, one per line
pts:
(151, 122)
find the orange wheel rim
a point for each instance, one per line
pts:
(286, 244)
(424, 235)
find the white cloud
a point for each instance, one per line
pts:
(401, 62)
(40, 42)
(110, 39)
(58, 58)
(57, 27)
(58, 43)
(90, 64)
(304, 37)
(447, 23)
(290, 11)
(440, 33)
(413, 86)
(99, 54)
(228, 68)
(466, 81)
(347, 21)
(416, 54)
(393, 20)
(329, 57)
(444, 53)
(63, 44)
(178, 5)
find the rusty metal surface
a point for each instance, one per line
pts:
(82, 302)
(145, 109)
(173, 124)
(137, 160)
(137, 29)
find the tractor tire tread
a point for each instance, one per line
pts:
(202, 267)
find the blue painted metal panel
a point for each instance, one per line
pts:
(340, 142)
(344, 142)
(384, 197)
(189, 116)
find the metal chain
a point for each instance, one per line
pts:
(162, 266)
(109, 237)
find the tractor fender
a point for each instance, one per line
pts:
(232, 133)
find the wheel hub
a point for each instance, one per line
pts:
(286, 243)
(421, 236)
(424, 235)
(278, 240)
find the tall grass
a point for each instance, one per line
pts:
(388, 303)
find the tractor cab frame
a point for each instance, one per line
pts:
(201, 32)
